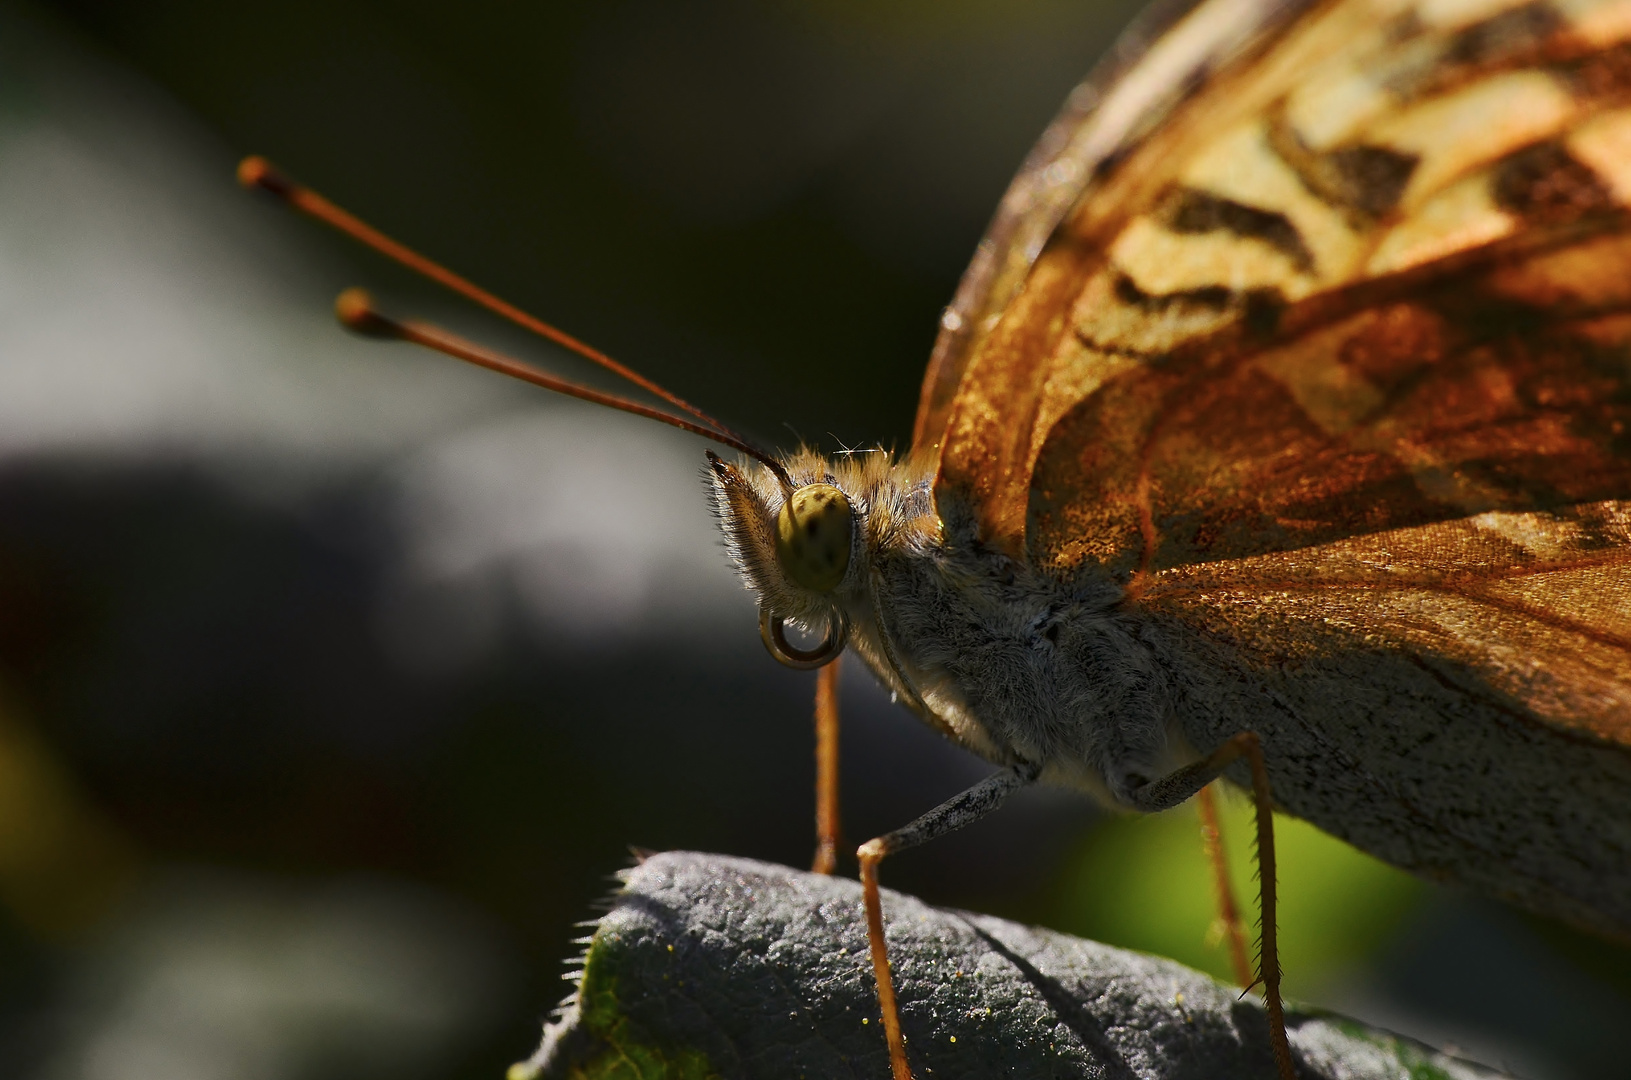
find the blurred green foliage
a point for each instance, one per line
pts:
(1145, 883)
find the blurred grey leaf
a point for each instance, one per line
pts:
(711, 966)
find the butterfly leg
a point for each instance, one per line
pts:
(826, 726)
(1228, 910)
(949, 816)
(1172, 789)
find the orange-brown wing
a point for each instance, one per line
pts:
(1530, 610)
(1158, 60)
(1368, 285)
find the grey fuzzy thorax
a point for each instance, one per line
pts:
(1034, 669)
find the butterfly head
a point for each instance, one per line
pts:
(798, 544)
(792, 527)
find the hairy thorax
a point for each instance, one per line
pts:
(1014, 665)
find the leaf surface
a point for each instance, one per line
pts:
(714, 966)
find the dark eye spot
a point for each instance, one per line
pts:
(813, 526)
(1052, 632)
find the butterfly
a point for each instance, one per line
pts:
(1323, 365)
(1278, 430)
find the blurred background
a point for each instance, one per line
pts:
(335, 680)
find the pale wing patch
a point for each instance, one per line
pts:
(1462, 216)
(1243, 166)
(1604, 145)
(1458, 132)
(1446, 15)
(1595, 24)
(1105, 318)
(1160, 262)
(1328, 107)
(1582, 276)
(1381, 69)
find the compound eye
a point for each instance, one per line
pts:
(813, 534)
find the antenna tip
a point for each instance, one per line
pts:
(355, 309)
(255, 171)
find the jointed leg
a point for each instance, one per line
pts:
(1174, 788)
(1268, 956)
(1228, 911)
(949, 816)
(826, 728)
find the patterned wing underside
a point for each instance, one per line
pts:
(1144, 77)
(1347, 335)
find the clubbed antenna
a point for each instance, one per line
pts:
(357, 311)
(355, 308)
